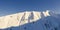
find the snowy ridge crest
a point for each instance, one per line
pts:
(22, 18)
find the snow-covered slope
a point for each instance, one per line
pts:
(44, 23)
(21, 18)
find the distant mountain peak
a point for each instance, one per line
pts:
(22, 18)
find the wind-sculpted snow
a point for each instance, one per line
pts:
(21, 18)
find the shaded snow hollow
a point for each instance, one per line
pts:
(21, 18)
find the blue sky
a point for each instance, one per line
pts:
(14, 6)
